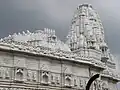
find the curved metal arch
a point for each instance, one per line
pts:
(91, 80)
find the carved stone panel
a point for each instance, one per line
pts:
(1, 72)
(75, 82)
(19, 61)
(55, 79)
(45, 64)
(34, 76)
(31, 76)
(82, 83)
(5, 73)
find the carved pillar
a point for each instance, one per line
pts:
(7, 73)
(1, 72)
(34, 76)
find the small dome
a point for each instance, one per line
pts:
(103, 44)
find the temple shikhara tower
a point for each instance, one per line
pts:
(39, 60)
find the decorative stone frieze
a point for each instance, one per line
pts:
(34, 76)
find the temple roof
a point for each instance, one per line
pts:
(44, 38)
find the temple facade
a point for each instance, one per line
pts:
(39, 60)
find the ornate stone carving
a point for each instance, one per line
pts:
(99, 85)
(19, 74)
(68, 80)
(53, 78)
(75, 82)
(45, 77)
(34, 76)
(57, 80)
(1, 72)
(28, 75)
(81, 84)
(95, 86)
(104, 86)
(7, 73)
(4, 88)
(31, 75)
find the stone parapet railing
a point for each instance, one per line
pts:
(113, 74)
(86, 55)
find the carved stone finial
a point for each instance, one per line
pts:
(28, 32)
(47, 30)
(53, 32)
(9, 36)
(19, 33)
(23, 33)
(14, 34)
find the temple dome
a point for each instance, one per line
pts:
(103, 44)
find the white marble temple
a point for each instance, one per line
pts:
(40, 61)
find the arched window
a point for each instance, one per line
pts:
(45, 78)
(19, 74)
(68, 81)
(34, 76)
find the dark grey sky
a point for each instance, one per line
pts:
(19, 15)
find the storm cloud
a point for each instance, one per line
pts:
(19, 15)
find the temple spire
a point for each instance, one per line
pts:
(87, 31)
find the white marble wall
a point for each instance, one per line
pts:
(27, 71)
